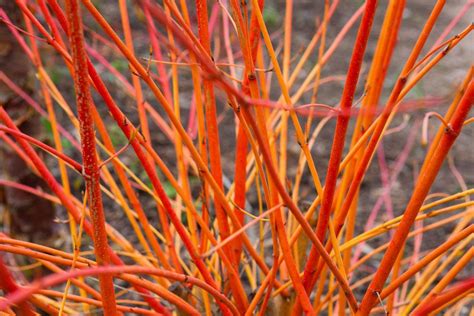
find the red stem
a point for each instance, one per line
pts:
(211, 125)
(339, 137)
(214, 152)
(89, 155)
(58, 278)
(77, 166)
(454, 293)
(8, 285)
(240, 174)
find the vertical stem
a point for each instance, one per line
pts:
(108, 144)
(339, 136)
(382, 120)
(178, 143)
(89, 155)
(284, 116)
(214, 149)
(242, 141)
(211, 120)
(397, 91)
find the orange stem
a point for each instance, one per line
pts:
(425, 180)
(426, 260)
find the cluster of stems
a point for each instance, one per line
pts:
(242, 220)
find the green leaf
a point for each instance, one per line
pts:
(47, 127)
(169, 189)
(120, 64)
(271, 17)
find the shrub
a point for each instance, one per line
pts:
(197, 148)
